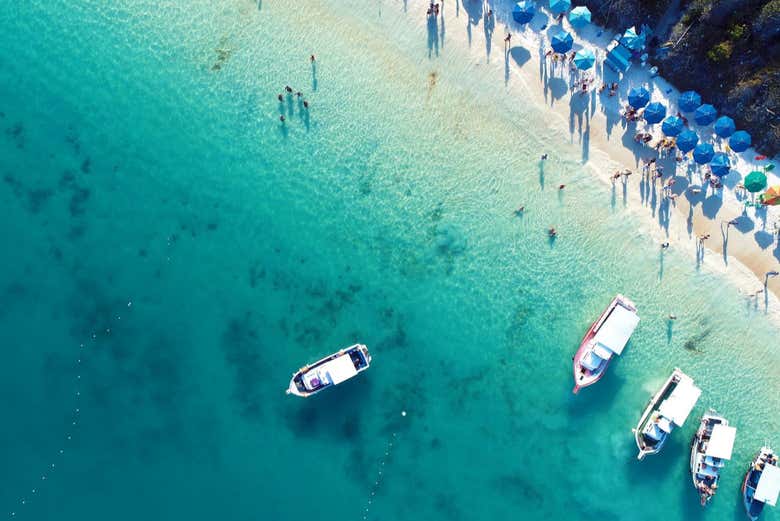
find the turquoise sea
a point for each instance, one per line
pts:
(172, 252)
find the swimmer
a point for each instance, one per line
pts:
(288, 89)
(280, 98)
(544, 157)
(312, 59)
(305, 104)
(552, 232)
(561, 187)
(281, 118)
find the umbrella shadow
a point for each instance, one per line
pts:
(764, 239)
(557, 87)
(711, 205)
(520, 55)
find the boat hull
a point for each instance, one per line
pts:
(753, 508)
(358, 353)
(584, 377)
(706, 490)
(645, 448)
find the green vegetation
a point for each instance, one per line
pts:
(737, 32)
(720, 52)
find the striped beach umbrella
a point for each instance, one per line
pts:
(771, 196)
(689, 101)
(724, 126)
(740, 141)
(559, 6)
(755, 181)
(672, 126)
(705, 114)
(562, 42)
(523, 11)
(687, 140)
(584, 59)
(638, 97)
(579, 16)
(703, 153)
(720, 164)
(654, 113)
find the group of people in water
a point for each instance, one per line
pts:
(298, 94)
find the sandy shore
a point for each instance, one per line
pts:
(744, 252)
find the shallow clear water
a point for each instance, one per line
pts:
(157, 212)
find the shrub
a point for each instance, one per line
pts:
(737, 32)
(720, 52)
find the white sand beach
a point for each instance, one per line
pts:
(744, 252)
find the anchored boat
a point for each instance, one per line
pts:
(606, 337)
(668, 408)
(710, 449)
(762, 483)
(330, 371)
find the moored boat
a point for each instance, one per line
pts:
(762, 483)
(710, 449)
(606, 337)
(667, 409)
(330, 371)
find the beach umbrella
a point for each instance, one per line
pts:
(562, 42)
(703, 153)
(724, 126)
(755, 181)
(524, 11)
(720, 164)
(687, 140)
(705, 114)
(739, 141)
(672, 126)
(632, 40)
(771, 196)
(654, 113)
(579, 16)
(689, 101)
(559, 6)
(584, 59)
(638, 97)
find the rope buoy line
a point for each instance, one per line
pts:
(74, 424)
(380, 473)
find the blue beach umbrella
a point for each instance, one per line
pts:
(638, 97)
(632, 40)
(705, 114)
(523, 11)
(689, 101)
(562, 42)
(584, 59)
(703, 153)
(579, 16)
(672, 126)
(720, 164)
(740, 141)
(559, 6)
(687, 140)
(724, 126)
(654, 113)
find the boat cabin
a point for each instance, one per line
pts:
(611, 338)
(673, 411)
(332, 372)
(768, 488)
(719, 448)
